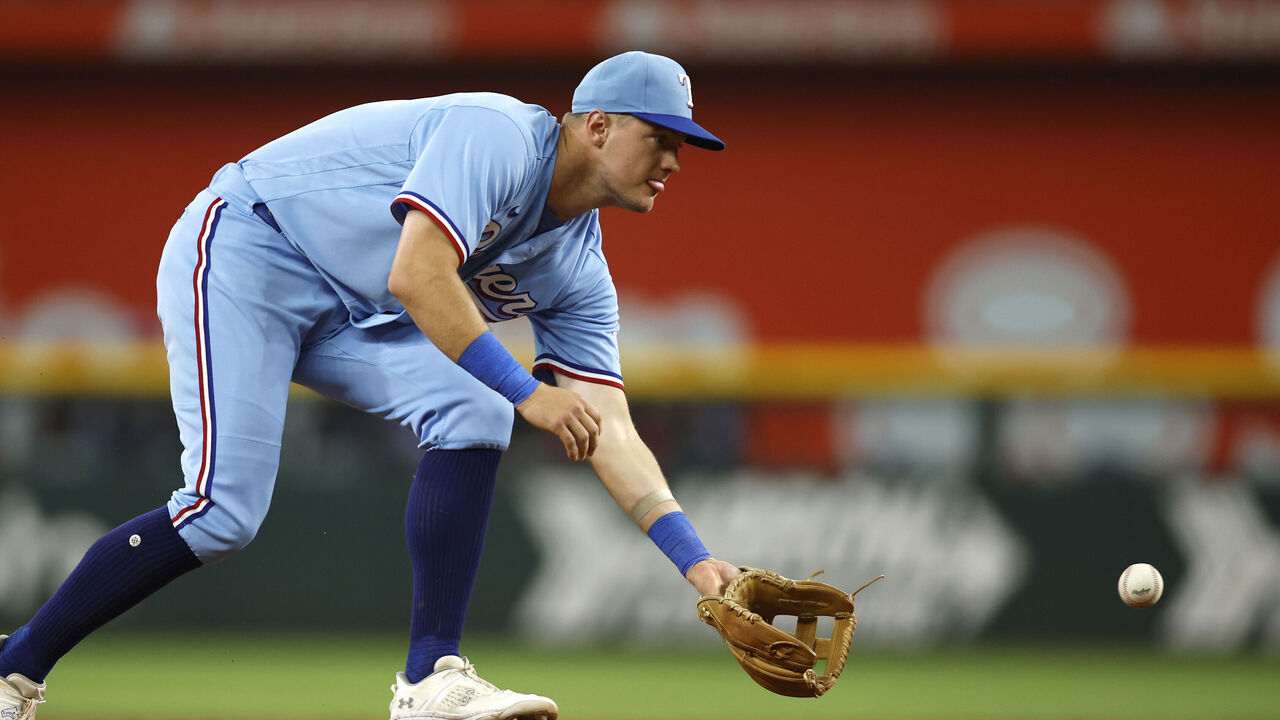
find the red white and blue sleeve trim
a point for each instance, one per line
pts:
(417, 202)
(547, 363)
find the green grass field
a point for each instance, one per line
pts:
(117, 675)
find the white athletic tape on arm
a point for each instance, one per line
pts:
(649, 502)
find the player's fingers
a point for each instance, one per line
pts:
(585, 439)
(570, 445)
(596, 419)
(591, 423)
(574, 437)
(569, 441)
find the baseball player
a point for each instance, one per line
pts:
(363, 256)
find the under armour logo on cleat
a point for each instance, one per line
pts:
(406, 703)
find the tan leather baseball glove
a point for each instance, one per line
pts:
(783, 662)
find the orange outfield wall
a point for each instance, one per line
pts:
(824, 220)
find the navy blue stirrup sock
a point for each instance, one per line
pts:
(445, 522)
(117, 572)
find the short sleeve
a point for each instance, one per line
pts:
(580, 339)
(473, 159)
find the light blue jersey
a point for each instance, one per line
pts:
(340, 186)
(278, 273)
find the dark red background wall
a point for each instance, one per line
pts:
(838, 195)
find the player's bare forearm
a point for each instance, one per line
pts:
(625, 465)
(424, 278)
(629, 471)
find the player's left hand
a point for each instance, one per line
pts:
(710, 576)
(565, 414)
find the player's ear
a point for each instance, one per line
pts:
(598, 124)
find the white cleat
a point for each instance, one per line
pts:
(455, 692)
(18, 695)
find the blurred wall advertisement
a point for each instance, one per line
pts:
(964, 560)
(952, 559)
(1231, 589)
(956, 569)
(38, 549)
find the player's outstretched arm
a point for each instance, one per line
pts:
(424, 278)
(631, 474)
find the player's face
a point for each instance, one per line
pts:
(637, 160)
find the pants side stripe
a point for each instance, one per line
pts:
(204, 368)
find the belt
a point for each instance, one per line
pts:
(260, 209)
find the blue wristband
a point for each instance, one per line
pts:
(491, 364)
(675, 536)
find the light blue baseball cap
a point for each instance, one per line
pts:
(650, 87)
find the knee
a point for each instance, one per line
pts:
(482, 419)
(236, 537)
(219, 534)
(491, 410)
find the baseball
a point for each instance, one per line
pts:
(1140, 585)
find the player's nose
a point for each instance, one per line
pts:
(671, 162)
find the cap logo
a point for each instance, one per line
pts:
(688, 87)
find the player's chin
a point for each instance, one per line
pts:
(642, 203)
